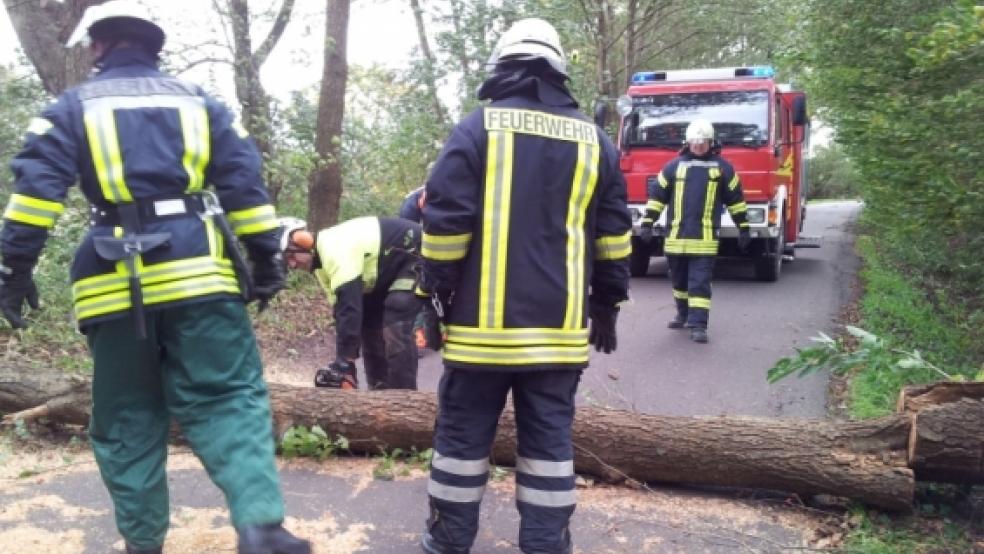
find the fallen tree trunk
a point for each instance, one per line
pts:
(914, 398)
(860, 460)
(946, 442)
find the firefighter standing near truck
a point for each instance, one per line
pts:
(526, 237)
(154, 281)
(693, 186)
(368, 268)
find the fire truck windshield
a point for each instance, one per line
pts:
(740, 118)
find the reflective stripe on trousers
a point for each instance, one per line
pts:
(470, 405)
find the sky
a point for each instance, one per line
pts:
(380, 32)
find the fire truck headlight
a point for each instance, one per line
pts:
(623, 105)
(756, 215)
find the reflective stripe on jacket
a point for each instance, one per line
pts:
(525, 216)
(362, 256)
(694, 189)
(134, 134)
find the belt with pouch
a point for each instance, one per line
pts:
(148, 210)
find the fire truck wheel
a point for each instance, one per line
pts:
(768, 264)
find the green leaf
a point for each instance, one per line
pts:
(864, 336)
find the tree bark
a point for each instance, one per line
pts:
(946, 442)
(430, 68)
(914, 398)
(42, 27)
(325, 193)
(860, 460)
(253, 98)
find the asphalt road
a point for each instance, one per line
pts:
(753, 324)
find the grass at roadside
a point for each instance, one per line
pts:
(896, 309)
(905, 334)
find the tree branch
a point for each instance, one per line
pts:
(276, 32)
(190, 65)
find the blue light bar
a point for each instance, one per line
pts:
(755, 71)
(712, 74)
(648, 77)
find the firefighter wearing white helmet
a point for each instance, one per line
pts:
(158, 288)
(367, 267)
(699, 130)
(696, 184)
(524, 203)
(530, 39)
(118, 20)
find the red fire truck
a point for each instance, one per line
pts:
(763, 130)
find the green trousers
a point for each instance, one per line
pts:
(200, 366)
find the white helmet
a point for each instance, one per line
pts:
(530, 39)
(287, 226)
(700, 130)
(118, 19)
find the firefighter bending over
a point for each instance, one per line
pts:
(526, 237)
(154, 281)
(694, 185)
(367, 266)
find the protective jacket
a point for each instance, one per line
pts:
(144, 145)
(694, 188)
(361, 256)
(525, 215)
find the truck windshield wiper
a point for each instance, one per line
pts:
(752, 145)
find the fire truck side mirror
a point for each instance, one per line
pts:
(799, 110)
(601, 112)
(629, 125)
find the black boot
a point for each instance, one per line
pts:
(430, 545)
(677, 322)
(698, 334)
(567, 548)
(132, 550)
(270, 539)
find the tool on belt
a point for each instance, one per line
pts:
(128, 248)
(213, 209)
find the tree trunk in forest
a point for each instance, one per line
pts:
(253, 99)
(861, 460)
(42, 27)
(430, 76)
(325, 193)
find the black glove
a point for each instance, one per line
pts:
(16, 287)
(339, 374)
(646, 230)
(269, 277)
(744, 239)
(602, 334)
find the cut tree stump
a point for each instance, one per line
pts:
(946, 441)
(866, 461)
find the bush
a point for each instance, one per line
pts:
(832, 174)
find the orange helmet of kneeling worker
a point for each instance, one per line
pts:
(294, 235)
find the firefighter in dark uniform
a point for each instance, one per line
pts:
(694, 185)
(368, 268)
(526, 237)
(154, 287)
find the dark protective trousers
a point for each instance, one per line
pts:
(199, 365)
(388, 348)
(469, 406)
(691, 278)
